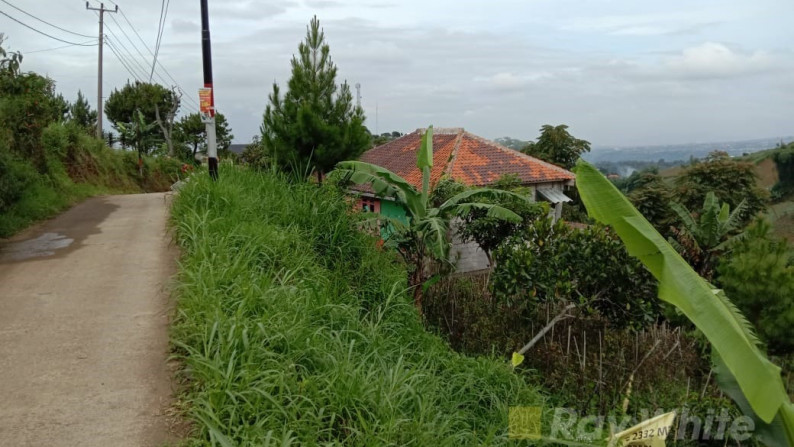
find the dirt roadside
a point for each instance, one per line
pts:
(84, 313)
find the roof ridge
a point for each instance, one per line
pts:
(454, 155)
(522, 155)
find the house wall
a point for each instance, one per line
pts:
(369, 204)
(391, 209)
(467, 256)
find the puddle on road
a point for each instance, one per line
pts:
(45, 245)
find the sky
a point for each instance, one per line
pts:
(617, 72)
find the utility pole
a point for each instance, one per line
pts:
(209, 114)
(358, 94)
(99, 111)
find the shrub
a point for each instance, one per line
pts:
(590, 267)
(758, 275)
(15, 177)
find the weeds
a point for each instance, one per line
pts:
(295, 330)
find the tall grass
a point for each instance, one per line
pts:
(294, 329)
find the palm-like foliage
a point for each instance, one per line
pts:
(700, 241)
(743, 371)
(425, 236)
(139, 133)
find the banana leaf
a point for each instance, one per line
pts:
(729, 334)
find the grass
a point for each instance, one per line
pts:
(294, 329)
(77, 167)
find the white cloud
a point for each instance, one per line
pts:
(715, 60)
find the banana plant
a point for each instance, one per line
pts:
(137, 132)
(425, 235)
(743, 370)
(700, 241)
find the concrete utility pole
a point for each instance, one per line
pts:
(209, 117)
(99, 110)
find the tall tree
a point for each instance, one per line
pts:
(123, 105)
(557, 146)
(191, 131)
(80, 113)
(165, 120)
(315, 124)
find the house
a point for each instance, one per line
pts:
(473, 161)
(469, 159)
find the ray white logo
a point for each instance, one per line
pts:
(567, 426)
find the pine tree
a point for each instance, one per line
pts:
(81, 114)
(315, 124)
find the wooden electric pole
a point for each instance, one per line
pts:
(206, 53)
(99, 111)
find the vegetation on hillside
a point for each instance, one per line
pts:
(48, 157)
(295, 329)
(743, 370)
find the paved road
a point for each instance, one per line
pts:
(84, 327)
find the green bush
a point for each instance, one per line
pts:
(590, 267)
(294, 329)
(15, 177)
(758, 275)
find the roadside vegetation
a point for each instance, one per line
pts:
(49, 159)
(295, 329)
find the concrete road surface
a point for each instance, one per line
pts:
(84, 327)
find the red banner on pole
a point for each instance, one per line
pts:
(205, 100)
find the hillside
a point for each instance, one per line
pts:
(295, 329)
(781, 210)
(682, 152)
(75, 166)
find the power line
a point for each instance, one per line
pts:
(120, 45)
(62, 47)
(129, 59)
(163, 18)
(44, 21)
(194, 103)
(122, 60)
(132, 43)
(45, 34)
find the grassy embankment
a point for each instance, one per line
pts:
(74, 166)
(293, 328)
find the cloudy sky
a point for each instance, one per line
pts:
(618, 72)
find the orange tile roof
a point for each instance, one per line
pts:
(467, 158)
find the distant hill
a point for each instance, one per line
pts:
(681, 152)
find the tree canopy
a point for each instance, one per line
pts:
(191, 132)
(122, 106)
(556, 145)
(731, 181)
(315, 124)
